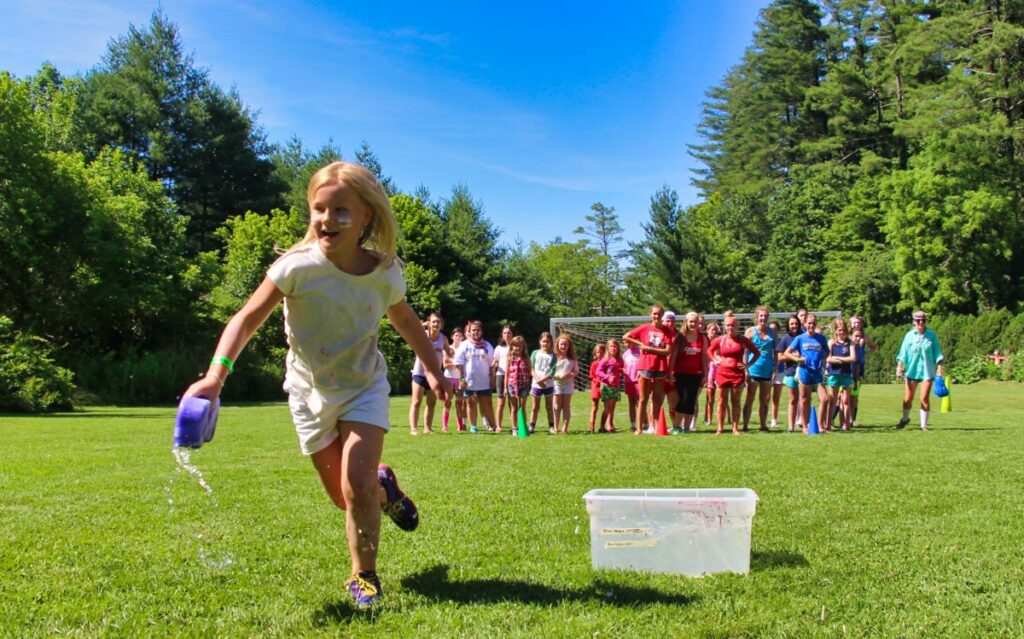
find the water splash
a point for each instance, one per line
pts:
(183, 456)
(208, 555)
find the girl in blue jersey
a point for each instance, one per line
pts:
(809, 350)
(760, 372)
(839, 365)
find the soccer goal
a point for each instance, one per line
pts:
(588, 331)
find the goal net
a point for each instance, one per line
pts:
(586, 332)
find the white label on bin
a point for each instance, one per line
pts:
(608, 532)
(637, 543)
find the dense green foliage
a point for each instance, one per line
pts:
(874, 533)
(862, 155)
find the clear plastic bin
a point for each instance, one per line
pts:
(688, 531)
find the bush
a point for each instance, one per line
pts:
(30, 381)
(161, 376)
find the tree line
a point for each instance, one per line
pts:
(862, 155)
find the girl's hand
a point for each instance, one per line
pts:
(441, 387)
(207, 386)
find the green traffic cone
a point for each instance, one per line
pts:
(521, 430)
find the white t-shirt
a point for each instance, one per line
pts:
(331, 319)
(438, 344)
(501, 358)
(476, 361)
(563, 368)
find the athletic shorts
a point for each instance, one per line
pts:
(317, 431)
(654, 374)
(499, 382)
(760, 379)
(542, 392)
(609, 393)
(422, 381)
(454, 381)
(778, 378)
(688, 386)
(483, 392)
(631, 389)
(839, 381)
(807, 377)
(789, 381)
(730, 378)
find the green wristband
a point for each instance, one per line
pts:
(224, 361)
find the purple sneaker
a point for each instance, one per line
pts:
(364, 586)
(399, 508)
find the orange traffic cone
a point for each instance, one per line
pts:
(661, 430)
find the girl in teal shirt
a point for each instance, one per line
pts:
(920, 359)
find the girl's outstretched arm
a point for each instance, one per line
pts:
(235, 336)
(405, 321)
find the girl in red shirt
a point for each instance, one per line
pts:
(655, 344)
(729, 352)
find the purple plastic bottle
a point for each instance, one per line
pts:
(196, 421)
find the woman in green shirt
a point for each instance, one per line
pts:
(920, 358)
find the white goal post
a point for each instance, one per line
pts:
(585, 332)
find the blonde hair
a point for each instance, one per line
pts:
(381, 233)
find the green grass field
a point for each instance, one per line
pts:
(878, 532)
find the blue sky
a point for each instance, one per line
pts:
(541, 109)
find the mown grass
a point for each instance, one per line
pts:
(873, 533)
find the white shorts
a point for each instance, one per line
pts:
(563, 389)
(316, 432)
(777, 378)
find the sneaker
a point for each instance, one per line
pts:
(364, 586)
(649, 430)
(903, 422)
(677, 431)
(399, 508)
(472, 429)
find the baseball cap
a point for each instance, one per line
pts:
(668, 315)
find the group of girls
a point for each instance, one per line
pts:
(654, 363)
(676, 364)
(479, 373)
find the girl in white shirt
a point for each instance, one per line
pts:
(336, 285)
(476, 376)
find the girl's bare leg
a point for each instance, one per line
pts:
(348, 472)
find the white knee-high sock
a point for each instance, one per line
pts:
(924, 419)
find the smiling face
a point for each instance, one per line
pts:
(338, 216)
(506, 334)
(712, 331)
(545, 343)
(762, 318)
(692, 324)
(656, 313)
(434, 325)
(794, 325)
(476, 332)
(562, 346)
(730, 326)
(456, 338)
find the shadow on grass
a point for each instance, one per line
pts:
(341, 611)
(435, 585)
(770, 559)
